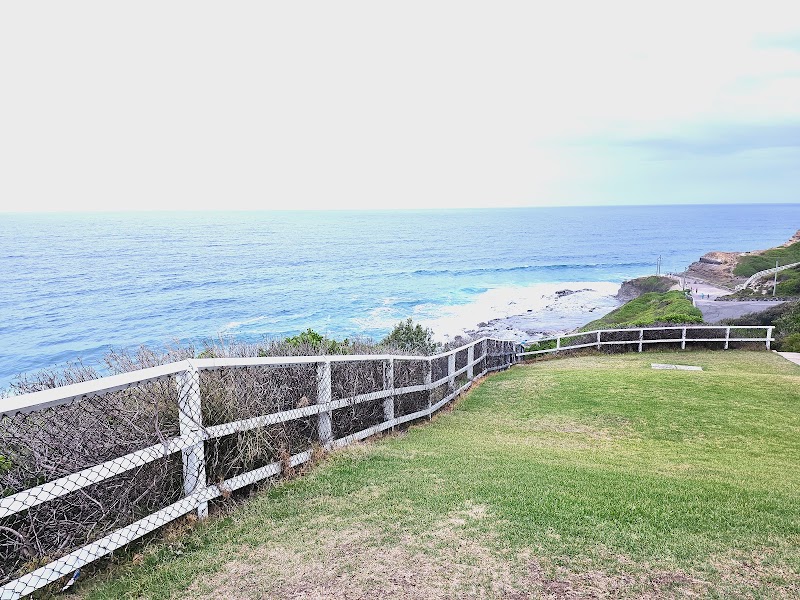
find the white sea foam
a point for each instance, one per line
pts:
(524, 313)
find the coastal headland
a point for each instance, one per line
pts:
(527, 313)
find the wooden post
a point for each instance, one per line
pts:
(388, 384)
(428, 366)
(683, 339)
(470, 362)
(641, 337)
(451, 369)
(598, 340)
(727, 336)
(558, 344)
(769, 336)
(324, 393)
(190, 420)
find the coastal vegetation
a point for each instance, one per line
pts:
(784, 317)
(652, 308)
(788, 283)
(642, 285)
(410, 337)
(753, 263)
(558, 478)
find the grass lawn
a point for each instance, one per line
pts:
(575, 477)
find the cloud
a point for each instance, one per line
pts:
(358, 104)
(720, 140)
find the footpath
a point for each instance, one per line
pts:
(705, 296)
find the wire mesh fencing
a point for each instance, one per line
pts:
(83, 474)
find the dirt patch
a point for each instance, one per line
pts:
(362, 563)
(596, 584)
(762, 573)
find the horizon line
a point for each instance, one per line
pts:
(383, 210)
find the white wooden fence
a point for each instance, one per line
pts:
(640, 337)
(492, 355)
(184, 377)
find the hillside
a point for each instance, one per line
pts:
(753, 263)
(650, 309)
(728, 269)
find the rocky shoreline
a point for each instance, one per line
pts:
(530, 313)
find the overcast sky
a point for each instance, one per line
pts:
(337, 104)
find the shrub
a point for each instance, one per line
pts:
(411, 338)
(791, 343)
(316, 343)
(545, 345)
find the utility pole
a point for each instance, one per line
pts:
(775, 282)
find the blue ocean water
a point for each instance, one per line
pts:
(76, 285)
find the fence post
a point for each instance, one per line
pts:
(451, 369)
(428, 366)
(683, 339)
(388, 384)
(641, 337)
(727, 336)
(190, 420)
(324, 396)
(558, 344)
(598, 340)
(470, 361)
(769, 336)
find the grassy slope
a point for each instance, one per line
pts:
(651, 283)
(647, 309)
(748, 265)
(585, 475)
(789, 282)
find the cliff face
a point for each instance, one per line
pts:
(716, 268)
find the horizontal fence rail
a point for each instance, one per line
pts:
(640, 336)
(87, 468)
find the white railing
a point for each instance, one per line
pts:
(640, 339)
(184, 377)
(756, 276)
(193, 435)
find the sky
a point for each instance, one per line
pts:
(355, 105)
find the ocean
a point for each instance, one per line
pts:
(76, 285)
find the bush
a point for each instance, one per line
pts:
(411, 338)
(791, 343)
(317, 343)
(536, 346)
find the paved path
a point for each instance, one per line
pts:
(705, 295)
(792, 356)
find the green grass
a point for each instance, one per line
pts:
(649, 309)
(748, 265)
(567, 475)
(788, 283)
